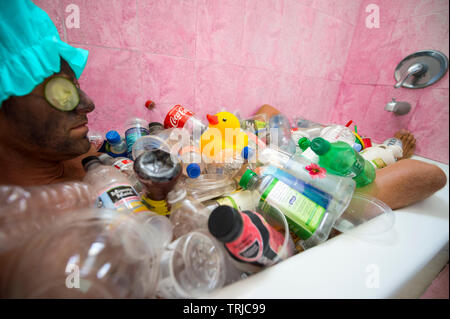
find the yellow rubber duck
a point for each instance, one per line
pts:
(223, 134)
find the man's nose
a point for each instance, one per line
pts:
(86, 105)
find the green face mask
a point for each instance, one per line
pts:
(62, 94)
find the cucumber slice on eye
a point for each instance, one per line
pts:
(62, 94)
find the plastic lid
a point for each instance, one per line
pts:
(247, 152)
(193, 170)
(320, 146)
(246, 178)
(357, 147)
(88, 159)
(113, 137)
(303, 143)
(225, 223)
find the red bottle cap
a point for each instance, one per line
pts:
(367, 142)
(149, 104)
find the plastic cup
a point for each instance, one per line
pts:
(275, 218)
(191, 266)
(366, 217)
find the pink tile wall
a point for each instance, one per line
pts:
(406, 26)
(309, 58)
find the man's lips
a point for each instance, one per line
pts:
(83, 124)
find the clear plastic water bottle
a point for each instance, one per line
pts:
(25, 210)
(209, 186)
(91, 253)
(117, 145)
(187, 214)
(113, 188)
(280, 133)
(192, 161)
(134, 129)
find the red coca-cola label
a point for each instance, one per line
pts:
(177, 117)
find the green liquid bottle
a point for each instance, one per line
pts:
(341, 159)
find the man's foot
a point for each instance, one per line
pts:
(408, 141)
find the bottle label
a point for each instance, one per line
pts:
(303, 215)
(258, 243)
(241, 200)
(378, 163)
(119, 197)
(158, 206)
(357, 167)
(177, 117)
(131, 135)
(123, 164)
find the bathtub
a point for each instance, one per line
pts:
(400, 263)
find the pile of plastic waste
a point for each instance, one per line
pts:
(181, 208)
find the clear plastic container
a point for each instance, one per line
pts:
(191, 266)
(187, 214)
(26, 210)
(209, 186)
(280, 134)
(117, 145)
(134, 129)
(181, 117)
(88, 254)
(366, 217)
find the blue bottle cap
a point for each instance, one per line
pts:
(357, 147)
(193, 170)
(113, 137)
(247, 152)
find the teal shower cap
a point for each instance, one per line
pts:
(30, 49)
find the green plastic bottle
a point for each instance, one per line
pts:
(339, 158)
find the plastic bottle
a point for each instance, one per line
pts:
(336, 132)
(125, 166)
(82, 256)
(155, 127)
(384, 154)
(191, 266)
(280, 133)
(341, 159)
(158, 171)
(246, 235)
(191, 158)
(117, 147)
(134, 129)
(186, 214)
(240, 200)
(25, 210)
(341, 188)
(209, 186)
(307, 219)
(181, 117)
(113, 188)
(96, 138)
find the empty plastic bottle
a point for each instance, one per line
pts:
(339, 158)
(384, 154)
(187, 214)
(25, 210)
(191, 158)
(158, 171)
(113, 188)
(280, 133)
(307, 219)
(134, 129)
(83, 256)
(209, 186)
(240, 200)
(117, 145)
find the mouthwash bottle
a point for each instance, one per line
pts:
(307, 219)
(341, 159)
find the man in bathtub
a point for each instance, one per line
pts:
(43, 113)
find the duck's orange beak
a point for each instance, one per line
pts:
(212, 119)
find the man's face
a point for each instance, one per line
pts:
(29, 123)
